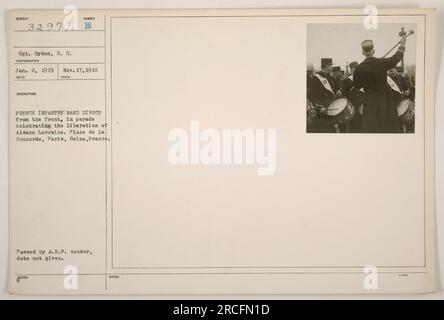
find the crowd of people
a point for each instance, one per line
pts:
(374, 88)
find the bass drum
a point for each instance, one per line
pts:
(406, 111)
(341, 110)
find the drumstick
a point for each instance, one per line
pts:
(410, 32)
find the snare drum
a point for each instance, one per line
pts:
(341, 110)
(406, 111)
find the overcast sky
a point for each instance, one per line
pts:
(342, 42)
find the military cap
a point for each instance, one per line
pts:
(367, 45)
(326, 61)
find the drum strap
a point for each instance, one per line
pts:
(325, 83)
(393, 84)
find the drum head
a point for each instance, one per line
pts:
(403, 106)
(337, 106)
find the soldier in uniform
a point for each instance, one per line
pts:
(404, 83)
(401, 81)
(312, 113)
(322, 94)
(392, 73)
(337, 78)
(395, 85)
(355, 96)
(310, 76)
(347, 84)
(379, 114)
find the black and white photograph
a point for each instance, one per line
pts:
(361, 80)
(162, 152)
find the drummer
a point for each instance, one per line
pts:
(398, 77)
(356, 98)
(407, 92)
(322, 93)
(395, 87)
(404, 83)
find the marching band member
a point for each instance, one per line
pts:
(312, 113)
(379, 114)
(310, 76)
(403, 83)
(347, 84)
(400, 89)
(337, 79)
(356, 97)
(395, 86)
(322, 93)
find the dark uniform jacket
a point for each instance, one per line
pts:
(337, 84)
(396, 96)
(347, 86)
(309, 87)
(404, 84)
(379, 111)
(320, 96)
(356, 98)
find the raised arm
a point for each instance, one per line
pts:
(393, 60)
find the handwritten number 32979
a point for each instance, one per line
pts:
(47, 27)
